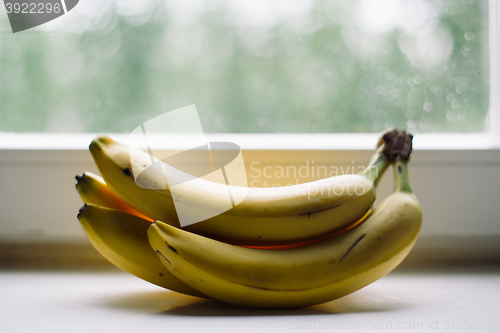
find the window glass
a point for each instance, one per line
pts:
(250, 66)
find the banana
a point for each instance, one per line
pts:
(302, 276)
(93, 189)
(267, 216)
(122, 239)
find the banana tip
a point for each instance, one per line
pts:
(152, 226)
(81, 211)
(79, 178)
(162, 227)
(99, 141)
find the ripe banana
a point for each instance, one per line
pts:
(301, 276)
(267, 216)
(122, 239)
(93, 189)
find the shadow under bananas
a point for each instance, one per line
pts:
(172, 303)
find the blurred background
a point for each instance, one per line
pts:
(261, 66)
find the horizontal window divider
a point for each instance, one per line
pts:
(255, 141)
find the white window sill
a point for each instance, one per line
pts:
(278, 141)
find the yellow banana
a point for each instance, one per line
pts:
(302, 276)
(93, 189)
(122, 239)
(267, 216)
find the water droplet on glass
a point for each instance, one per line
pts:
(469, 35)
(460, 89)
(428, 107)
(456, 105)
(450, 98)
(418, 79)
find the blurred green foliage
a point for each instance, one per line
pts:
(326, 67)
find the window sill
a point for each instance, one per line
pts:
(428, 301)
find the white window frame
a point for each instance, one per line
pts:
(38, 203)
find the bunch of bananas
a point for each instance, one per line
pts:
(275, 249)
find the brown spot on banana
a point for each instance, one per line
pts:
(127, 171)
(319, 211)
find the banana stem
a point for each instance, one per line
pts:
(377, 166)
(401, 179)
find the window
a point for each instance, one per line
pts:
(262, 66)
